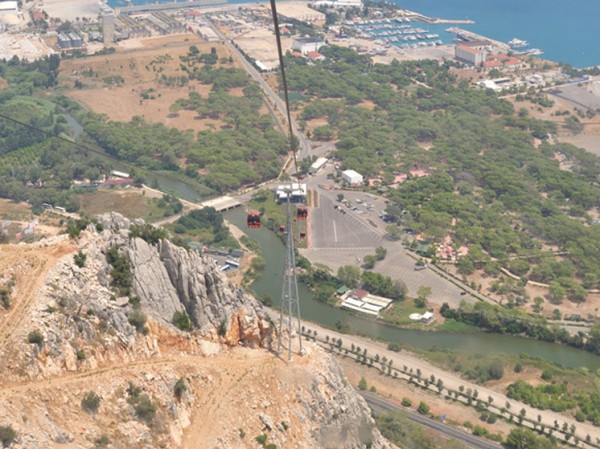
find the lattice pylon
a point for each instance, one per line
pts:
(289, 315)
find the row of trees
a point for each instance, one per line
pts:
(559, 398)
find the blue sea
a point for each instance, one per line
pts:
(567, 31)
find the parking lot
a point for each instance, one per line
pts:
(343, 235)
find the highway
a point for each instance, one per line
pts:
(380, 405)
(304, 144)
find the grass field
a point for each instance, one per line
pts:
(398, 314)
(129, 203)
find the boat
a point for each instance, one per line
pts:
(530, 52)
(518, 43)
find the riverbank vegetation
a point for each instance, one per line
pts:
(205, 226)
(516, 322)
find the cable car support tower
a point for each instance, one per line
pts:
(289, 315)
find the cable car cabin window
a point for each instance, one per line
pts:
(302, 213)
(253, 220)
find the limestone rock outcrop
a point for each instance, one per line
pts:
(169, 279)
(90, 340)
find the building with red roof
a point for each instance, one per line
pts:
(315, 56)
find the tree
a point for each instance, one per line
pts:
(423, 408)
(362, 384)
(496, 370)
(422, 293)
(369, 261)
(7, 435)
(538, 300)
(35, 338)
(393, 232)
(79, 259)
(180, 388)
(380, 252)
(182, 321)
(349, 275)
(557, 292)
(399, 290)
(90, 402)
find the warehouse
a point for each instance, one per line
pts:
(352, 177)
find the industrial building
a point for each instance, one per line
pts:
(470, 55)
(108, 27)
(69, 40)
(308, 44)
(317, 165)
(9, 7)
(352, 177)
(130, 28)
(165, 24)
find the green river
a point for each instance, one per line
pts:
(325, 315)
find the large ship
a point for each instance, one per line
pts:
(518, 43)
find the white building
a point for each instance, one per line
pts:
(9, 7)
(307, 44)
(297, 193)
(472, 55)
(317, 165)
(340, 3)
(352, 177)
(347, 3)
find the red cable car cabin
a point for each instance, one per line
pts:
(302, 213)
(253, 219)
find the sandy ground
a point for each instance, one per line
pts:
(298, 10)
(71, 9)
(25, 46)
(140, 63)
(260, 44)
(396, 390)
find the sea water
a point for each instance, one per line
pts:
(567, 31)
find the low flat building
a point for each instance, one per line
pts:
(308, 44)
(9, 7)
(297, 193)
(317, 165)
(315, 56)
(500, 61)
(365, 302)
(352, 177)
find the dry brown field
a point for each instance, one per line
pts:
(139, 62)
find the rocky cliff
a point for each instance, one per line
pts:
(80, 367)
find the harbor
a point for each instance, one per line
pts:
(399, 31)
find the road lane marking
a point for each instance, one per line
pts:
(334, 232)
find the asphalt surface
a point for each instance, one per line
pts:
(380, 405)
(343, 236)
